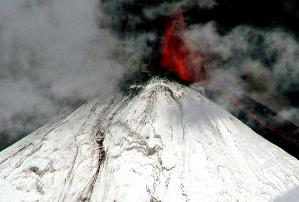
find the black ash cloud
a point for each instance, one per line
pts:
(55, 54)
(251, 47)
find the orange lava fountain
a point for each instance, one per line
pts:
(176, 56)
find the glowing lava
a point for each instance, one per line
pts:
(176, 56)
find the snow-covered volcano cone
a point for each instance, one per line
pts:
(167, 143)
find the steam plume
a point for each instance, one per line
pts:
(254, 54)
(55, 54)
(53, 57)
(256, 62)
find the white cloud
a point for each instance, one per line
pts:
(51, 51)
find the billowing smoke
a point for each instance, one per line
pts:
(56, 54)
(53, 57)
(249, 47)
(261, 63)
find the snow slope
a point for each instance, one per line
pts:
(168, 143)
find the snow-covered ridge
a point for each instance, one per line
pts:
(167, 143)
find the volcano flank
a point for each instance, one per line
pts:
(165, 142)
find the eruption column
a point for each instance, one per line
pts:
(176, 56)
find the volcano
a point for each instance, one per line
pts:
(160, 142)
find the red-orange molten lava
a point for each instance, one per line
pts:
(176, 56)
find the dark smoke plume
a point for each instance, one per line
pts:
(250, 47)
(56, 54)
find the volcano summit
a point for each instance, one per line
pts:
(165, 143)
